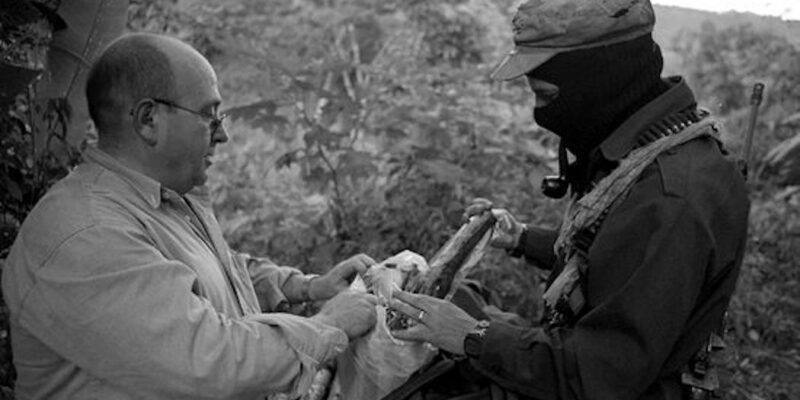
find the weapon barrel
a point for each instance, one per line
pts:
(755, 102)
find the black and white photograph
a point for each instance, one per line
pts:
(400, 199)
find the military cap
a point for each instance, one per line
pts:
(544, 28)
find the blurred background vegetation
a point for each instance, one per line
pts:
(363, 126)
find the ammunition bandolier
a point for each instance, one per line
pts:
(564, 298)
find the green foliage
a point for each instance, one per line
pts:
(763, 316)
(24, 36)
(164, 16)
(723, 64)
(383, 138)
(27, 169)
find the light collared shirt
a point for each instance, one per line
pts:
(119, 288)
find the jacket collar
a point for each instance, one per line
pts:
(623, 139)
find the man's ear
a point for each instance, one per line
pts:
(144, 121)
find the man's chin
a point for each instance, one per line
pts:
(201, 179)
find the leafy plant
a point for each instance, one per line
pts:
(723, 64)
(371, 126)
(27, 169)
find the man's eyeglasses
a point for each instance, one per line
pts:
(216, 121)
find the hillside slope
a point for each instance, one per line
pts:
(674, 21)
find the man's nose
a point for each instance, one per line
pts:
(221, 134)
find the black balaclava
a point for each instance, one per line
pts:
(599, 88)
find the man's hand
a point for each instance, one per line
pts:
(439, 322)
(339, 277)
(351, 311)
(507, 230)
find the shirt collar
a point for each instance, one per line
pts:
(678, 97)
(147, 187)
(201, 194)
(150, 189)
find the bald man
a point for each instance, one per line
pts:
(120, 285)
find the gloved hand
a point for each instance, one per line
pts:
(351, 311)
(507, 230)
(339, 277)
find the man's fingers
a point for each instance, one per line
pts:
(365, 260)
(482, 201)
(371, 298)
(358, 268)
(475, 210)
(356, 265)
(405, 308)
(476, 207)
(417, 333)
(502, 221)
(415, 300)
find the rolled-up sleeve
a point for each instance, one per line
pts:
(303, 335)
(275, 285)
(128, 315)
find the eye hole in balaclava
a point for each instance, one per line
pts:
(599, 88)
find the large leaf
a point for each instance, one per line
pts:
(15, 80)
(91, 25)
(357, 164)
(263, 113)
(442, 171)
(784, 161)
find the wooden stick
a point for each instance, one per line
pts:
(450, 257)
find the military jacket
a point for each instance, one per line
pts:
(662, 269)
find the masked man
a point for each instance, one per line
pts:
(648, 255)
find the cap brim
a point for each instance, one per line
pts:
(518, 63)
